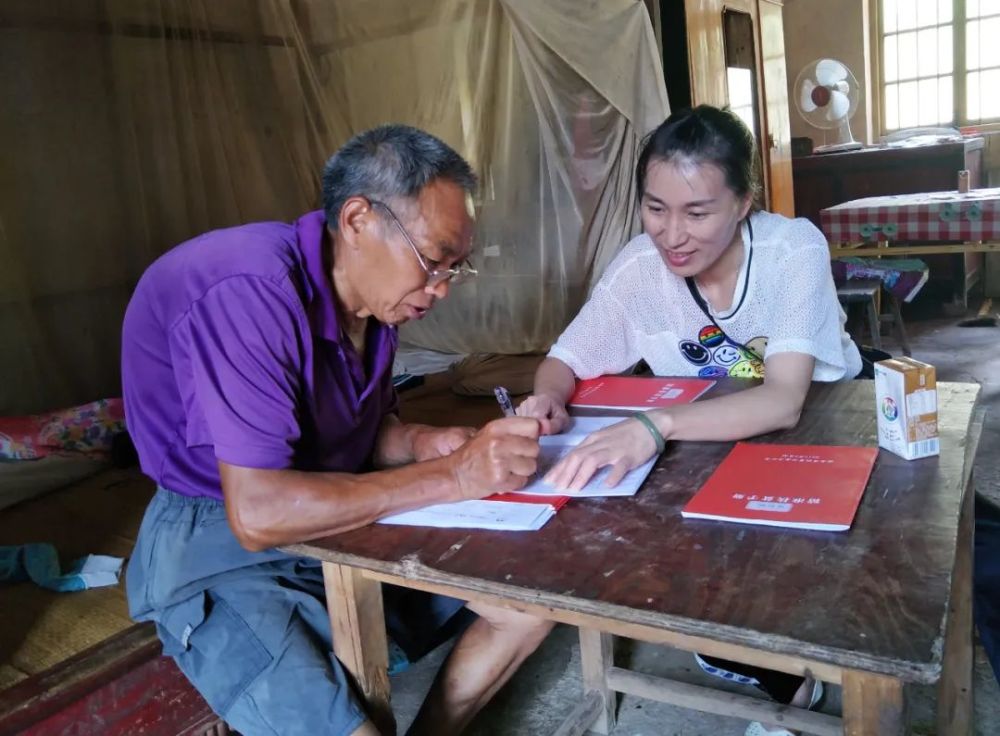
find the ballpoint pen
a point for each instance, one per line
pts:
(503, 398)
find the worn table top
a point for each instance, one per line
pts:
(872, 598)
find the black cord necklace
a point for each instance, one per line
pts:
(700, 300)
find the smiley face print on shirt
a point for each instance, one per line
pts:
(716, 356)
(695, 353)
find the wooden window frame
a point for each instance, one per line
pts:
(877, 101)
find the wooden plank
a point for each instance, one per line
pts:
(873, 705)
(597, 655)
(955, 712)
(650, 569)
(357, 621)
(839, 250)
(860, 288)
(152, 698)
(796, 665)
(45, 693)
(585, 713)
(706, 52)
(712, 700)
(955, 690)
(778, 139)
(973, 436)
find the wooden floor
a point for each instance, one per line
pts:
(99, 515)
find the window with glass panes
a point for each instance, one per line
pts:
(940, 62)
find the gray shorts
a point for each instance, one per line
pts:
(250, 629)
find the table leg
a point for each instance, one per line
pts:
(955, 690)
(359, 640)
(897, 320)
(873, 705)
(596, 658)
(874, 326)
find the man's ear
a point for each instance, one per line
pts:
(356, 217)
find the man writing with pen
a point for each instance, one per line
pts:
(256, 364)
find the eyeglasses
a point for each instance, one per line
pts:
(435, 276)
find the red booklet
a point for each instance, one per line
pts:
(556, 502)
(799, 486)
(640, 394)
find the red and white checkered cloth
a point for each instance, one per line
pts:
(909, 217)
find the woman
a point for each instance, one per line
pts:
(712, 287)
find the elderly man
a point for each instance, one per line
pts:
(257, 364)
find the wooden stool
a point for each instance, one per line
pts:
(854, 292)
(896, 318)
(866, 292)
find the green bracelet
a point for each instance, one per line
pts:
(661, 444)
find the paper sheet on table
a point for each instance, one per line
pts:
(495, 514)
(480, 514)
(557, 446)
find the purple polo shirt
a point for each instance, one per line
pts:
(231, 351)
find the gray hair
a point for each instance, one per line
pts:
(387, 162)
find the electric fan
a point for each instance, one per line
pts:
(826, 95)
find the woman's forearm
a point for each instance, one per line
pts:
(748, 413)
(555, 379)
(775, 404)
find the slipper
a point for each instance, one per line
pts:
(756, 728)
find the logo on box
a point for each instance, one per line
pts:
(889, 409)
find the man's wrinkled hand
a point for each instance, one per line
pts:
(502, 456)
(434, 442)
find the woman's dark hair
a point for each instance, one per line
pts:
(705, 135)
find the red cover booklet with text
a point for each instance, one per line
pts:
(556, 502)
(640, 394)
(799, 486)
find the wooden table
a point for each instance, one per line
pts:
(887, 603)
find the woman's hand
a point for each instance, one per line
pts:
(623, 446)
(434, 442)
(551, 414)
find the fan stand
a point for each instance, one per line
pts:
(846, 141)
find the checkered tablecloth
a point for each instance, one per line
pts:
(927, 216)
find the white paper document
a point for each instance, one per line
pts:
(481, 514)
(514, 516)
